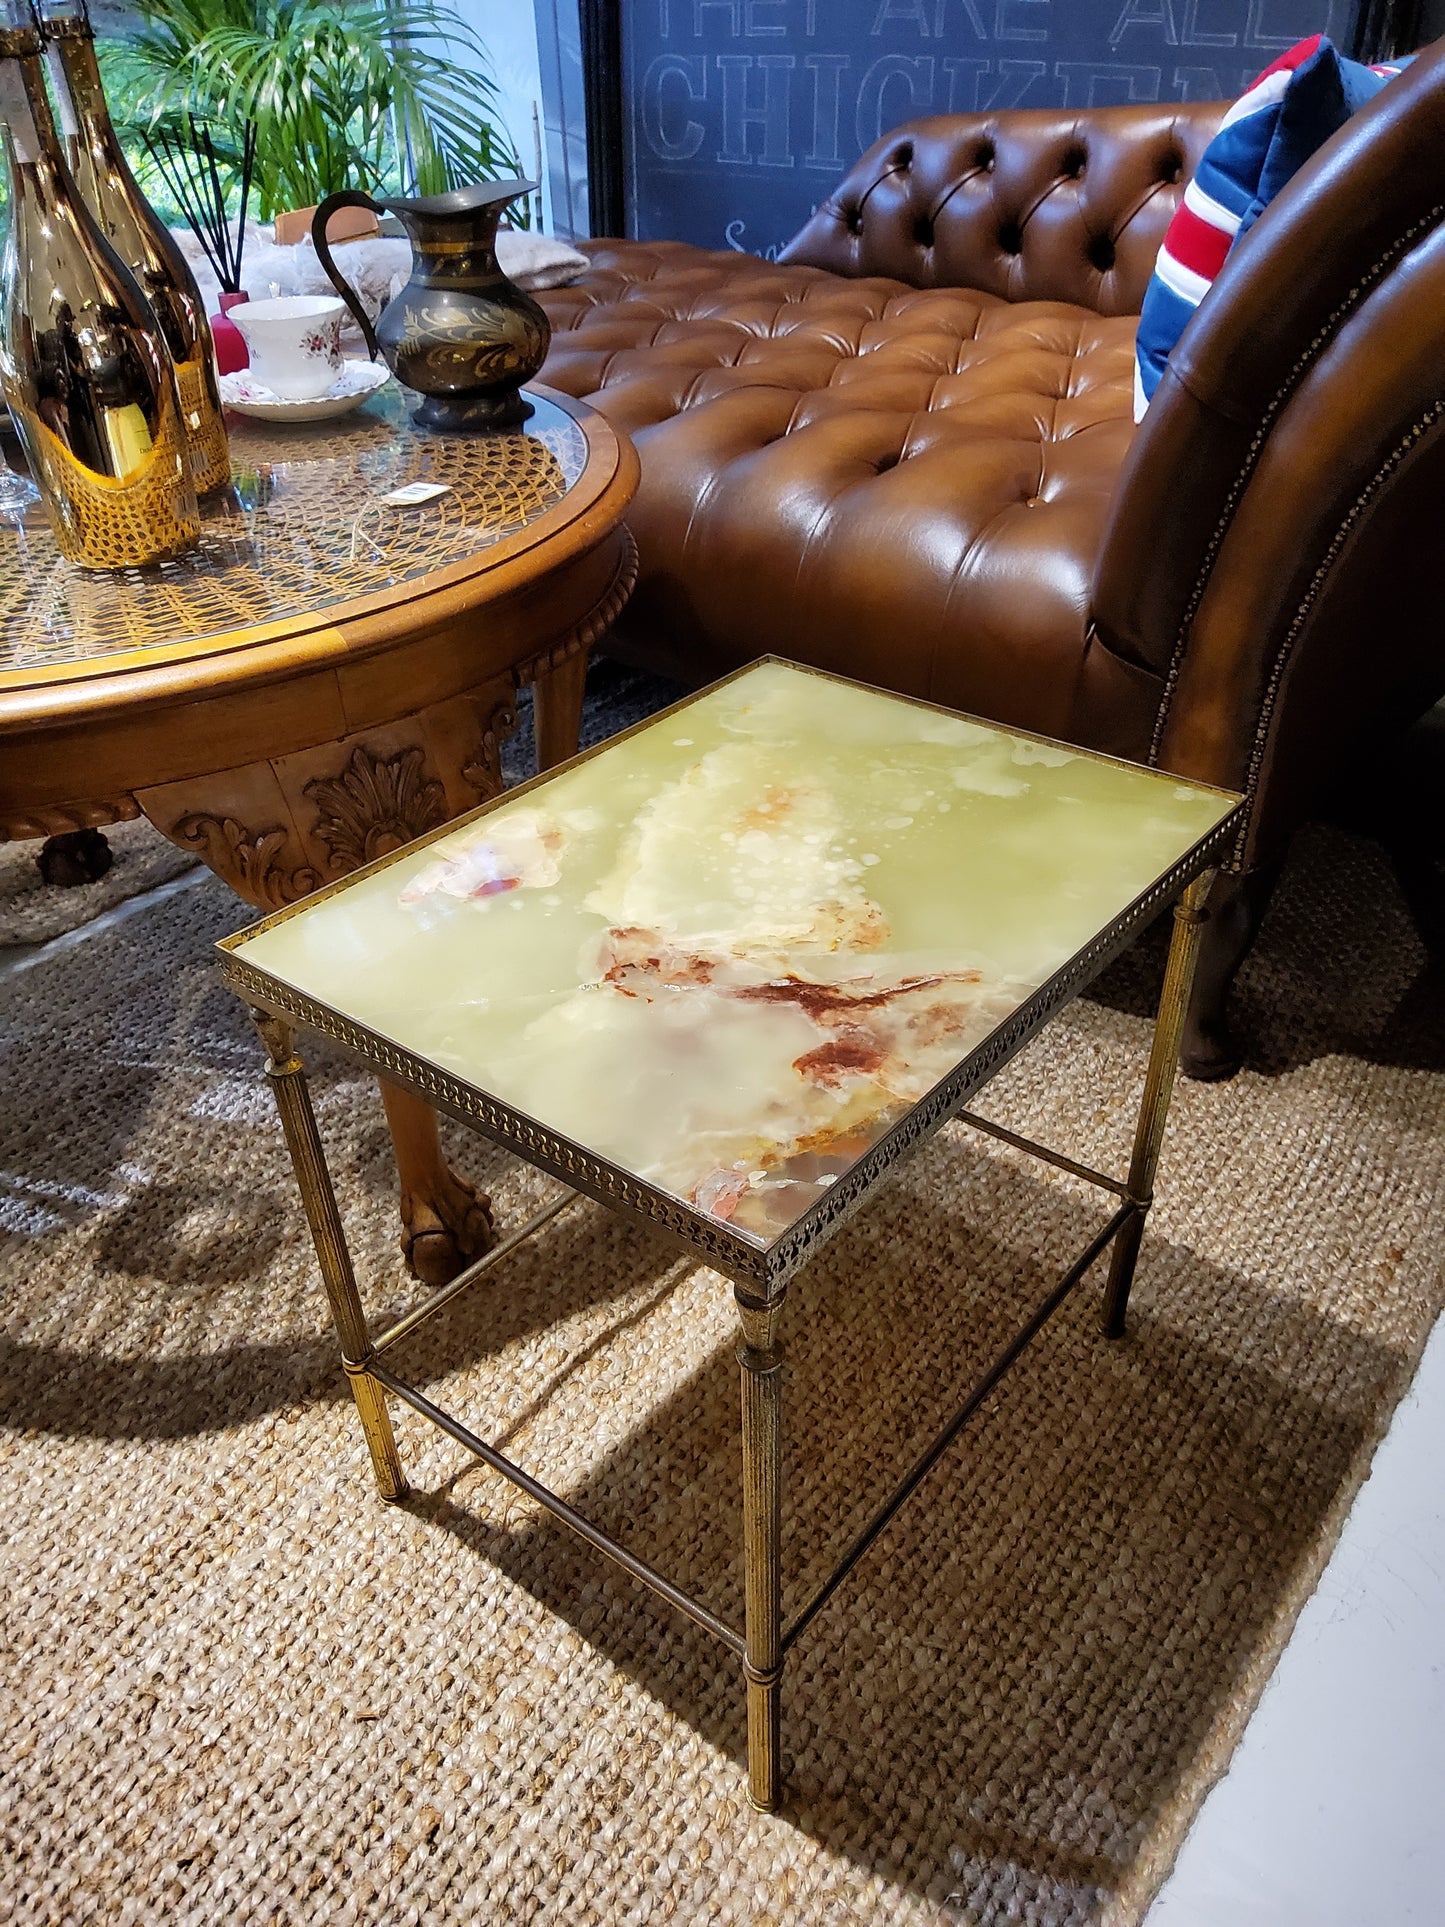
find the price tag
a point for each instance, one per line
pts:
(415, 492)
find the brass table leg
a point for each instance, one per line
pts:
(287, 1077)
(761, 1359)
(1158, 1088)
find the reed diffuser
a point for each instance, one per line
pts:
(193, 174)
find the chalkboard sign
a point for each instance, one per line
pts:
(739, 115)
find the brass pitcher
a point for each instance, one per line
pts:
(459, 333)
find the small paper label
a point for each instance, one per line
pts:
(414, 492)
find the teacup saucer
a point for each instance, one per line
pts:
(357, 380)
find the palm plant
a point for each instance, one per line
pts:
(382, 95)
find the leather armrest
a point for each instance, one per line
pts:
(1271, 547)
(1033, 204)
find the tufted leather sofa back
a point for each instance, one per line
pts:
(1031, 205)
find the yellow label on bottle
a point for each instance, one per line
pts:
(127, 437)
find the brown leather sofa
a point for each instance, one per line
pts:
(905, 451)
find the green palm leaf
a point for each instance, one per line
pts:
(387, 97)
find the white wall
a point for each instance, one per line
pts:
(508, 31)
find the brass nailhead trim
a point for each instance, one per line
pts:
(1418, 430)
(1251, 456)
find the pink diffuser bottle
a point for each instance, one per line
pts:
(232, 354)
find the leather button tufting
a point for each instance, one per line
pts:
(923, 231)
(977, 174)
(1102, 252)
(803, 429)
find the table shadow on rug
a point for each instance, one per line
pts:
(1027, 1664)
(73, 1390)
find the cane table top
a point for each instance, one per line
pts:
(305, 527)
(723, 968)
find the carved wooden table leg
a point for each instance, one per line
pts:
(279, 829)
(559, 675)
(445, 1223)
(557, 710)
(79, 856)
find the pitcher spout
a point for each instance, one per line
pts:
(457, 201)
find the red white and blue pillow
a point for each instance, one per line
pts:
(1293, 108)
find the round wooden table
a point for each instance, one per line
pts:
(331, 673)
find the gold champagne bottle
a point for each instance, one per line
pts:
(87, 376)
(130, 224)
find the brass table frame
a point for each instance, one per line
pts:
(759, 1272)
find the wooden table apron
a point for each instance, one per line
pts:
(285, 755)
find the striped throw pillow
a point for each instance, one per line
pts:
(1293, 108)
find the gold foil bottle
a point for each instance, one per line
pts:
(86, 373)
(131, 225)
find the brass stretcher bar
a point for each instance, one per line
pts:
(763, 1644)
(676, 1596)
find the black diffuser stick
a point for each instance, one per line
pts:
(248, 163)
(167, 158)
(192, 172)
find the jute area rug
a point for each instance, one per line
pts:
(237, 1686)
(32, 910)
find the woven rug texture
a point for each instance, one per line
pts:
(237, 1686)
(32, 910)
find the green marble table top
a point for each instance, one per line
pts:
(726, 953)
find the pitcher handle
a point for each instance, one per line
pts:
(333, 274)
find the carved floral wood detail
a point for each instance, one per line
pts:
(376, 804)
(249, 860)
(484, 770)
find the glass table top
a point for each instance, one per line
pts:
(728, 952)
(305, 525)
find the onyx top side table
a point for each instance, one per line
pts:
(330, 674)
(721, 973)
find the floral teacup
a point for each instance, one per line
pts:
(294, 342)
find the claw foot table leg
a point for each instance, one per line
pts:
(445, 1222)
(278, 829)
